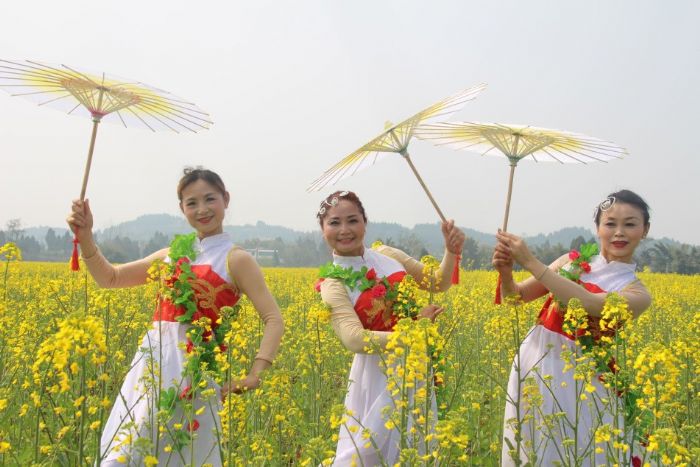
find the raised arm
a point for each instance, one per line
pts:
(106, 274)
(638, 299)
(416, 269)
(130, 274)
(441, 279)
(248, 278)
(529, 289)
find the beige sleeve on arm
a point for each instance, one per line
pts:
(415, 268)
(532, 289)
(124, 275)
(248, 278)
(272, 333)
(346, 323)
(638, 297)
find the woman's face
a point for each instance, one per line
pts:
(344, 229)
(620, 230)
(204, 207)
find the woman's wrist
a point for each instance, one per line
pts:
(541, 275)
(506, 275)
(260, 364)
(536, 268)
(263, 364)
(451, 253)
(88, 247)
(508, 284)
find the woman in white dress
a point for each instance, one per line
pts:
(361, 316)
(622, 221)
(220, 273)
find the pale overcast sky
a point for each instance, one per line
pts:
(295, 86)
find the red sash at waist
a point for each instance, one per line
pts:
(552, 318)
(167, 312)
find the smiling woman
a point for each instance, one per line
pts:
(203, 201)
(622, 221)
(344, 227)
(359, 317)
(206, 276)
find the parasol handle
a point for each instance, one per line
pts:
(405, 155)
(513, 158)
(513, 164)
(86, 174)
(74, 264)
(510, 192)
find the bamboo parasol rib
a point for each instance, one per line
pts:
(518, 142)
(100, 97)
(395, 139)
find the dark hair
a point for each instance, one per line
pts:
(192, 174)
(333, 199)
(622, 196)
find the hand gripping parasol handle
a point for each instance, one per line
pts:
(458, 258)
(404, 153)
(497, 299)
(74, 264)
(513, 164)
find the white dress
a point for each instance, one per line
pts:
(158, 364)
(367, 397)
(540, 355)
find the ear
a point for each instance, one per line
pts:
(182, 210)
(227, 198)
(646, 230)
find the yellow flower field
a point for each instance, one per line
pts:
(65, 346)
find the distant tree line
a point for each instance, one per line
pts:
(310, 250)
(31, 248)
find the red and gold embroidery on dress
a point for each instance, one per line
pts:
(375, 311)
(211, 293)
(377, 305)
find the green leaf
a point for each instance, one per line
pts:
(183, 246)
(167, 399)
(325, 269)
(589, 250)
(181, 438)
(568, 274)
(348, 275)
(509, 443)
(587, 341)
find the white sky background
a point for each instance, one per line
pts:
(295, 86)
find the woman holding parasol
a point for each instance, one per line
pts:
(622, 221)
(167, 405)
(363, 318)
